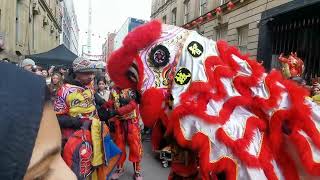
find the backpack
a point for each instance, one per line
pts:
(78, 153)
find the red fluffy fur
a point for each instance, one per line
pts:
(274, 90)
(201, 144)
(151, 106)
(200, 92)
(239, 146)
(118, 65)
(121, 60)
(305, 154)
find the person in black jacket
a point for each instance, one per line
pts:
(29, 133)
(101, 98)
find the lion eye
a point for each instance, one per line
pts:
(159, 56)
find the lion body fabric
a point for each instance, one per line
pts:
(237, 118)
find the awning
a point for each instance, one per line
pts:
(59, 56)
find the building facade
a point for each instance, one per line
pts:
(238, 26)
(108, 46)
(70, 28)
(248, 25)
(128, 26)
(28, 27)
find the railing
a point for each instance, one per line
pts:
(301, 35)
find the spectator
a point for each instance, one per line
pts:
(55, 85)
(51, 71)
(103, 91)
(316, 93)
(37, 70)
(101, 97)
(63, 71)
(25, 150)
(27, 64)
(45, 74)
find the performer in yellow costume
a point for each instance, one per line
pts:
(76, 110)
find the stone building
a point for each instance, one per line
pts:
(70, 28)
(108, 46)
(262, 28)
(29, 27)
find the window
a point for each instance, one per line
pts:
(221, 32)
(222, 2)
(164, 19)
(243, 38)
(174, 16)
(153, 6)
(203, 7)
(186, 11)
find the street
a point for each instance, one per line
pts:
(151, 167)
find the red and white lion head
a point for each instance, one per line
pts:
(222, 104)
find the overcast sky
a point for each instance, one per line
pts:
(107, 16)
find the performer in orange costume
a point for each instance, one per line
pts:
(127, 130)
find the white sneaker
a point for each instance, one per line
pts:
(137, 176)
(117, 174)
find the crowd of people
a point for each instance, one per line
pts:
(86, 107)
(313, 87)
(98, 120)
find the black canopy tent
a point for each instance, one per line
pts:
(59, 56)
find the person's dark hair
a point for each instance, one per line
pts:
(101, 79)
(34, 68)
(298, 80)
(69, 76)
(6, 59)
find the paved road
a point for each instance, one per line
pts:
(151, 166)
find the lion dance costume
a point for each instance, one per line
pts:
(238, 121)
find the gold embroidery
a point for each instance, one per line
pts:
(195, 50)
(182, 77)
